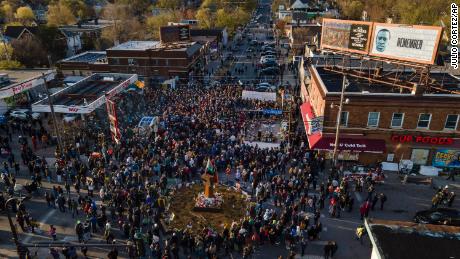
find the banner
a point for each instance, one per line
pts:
(272, 111)
(447, 158)
(264, 96)
(113, 120)
(352, 36)
(406, 42)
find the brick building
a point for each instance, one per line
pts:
(382, 122)
(146, 58)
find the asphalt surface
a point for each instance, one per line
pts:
(403, 200)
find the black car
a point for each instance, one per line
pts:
(269, 63)
(270, 71)
(439, 216)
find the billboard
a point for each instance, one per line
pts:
(175, 33)
(447, 158)
(405, 42)
(352, 36)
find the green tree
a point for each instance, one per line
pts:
(79, 9)
(125, 26)
(153, 23)
(60, 14)
(6, 51)
(10, 64)
(205, 17)
(138, 8)
(25, 15)
(169, 4)
(29, 51)
(7, 11)
(249, 5)
(351, 9)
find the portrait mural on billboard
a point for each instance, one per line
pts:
(345, 35)
(410, 43)
(382, 40)
(447, 158)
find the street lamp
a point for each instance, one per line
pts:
(345, 84)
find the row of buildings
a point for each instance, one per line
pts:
(380, 122)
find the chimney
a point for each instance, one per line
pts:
(418, 90)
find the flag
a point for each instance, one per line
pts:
(209, 167)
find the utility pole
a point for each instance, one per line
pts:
(53, 115)
(339, 117)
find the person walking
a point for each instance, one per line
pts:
(451, 175)
(383, 199)
(303, 246)
(360, 232)
(52, 232)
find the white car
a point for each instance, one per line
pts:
(19, 114)
(69, 117)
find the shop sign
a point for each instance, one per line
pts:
(446, 158)
(422, 139)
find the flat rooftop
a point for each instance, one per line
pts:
(189, 47)
(333, 81)
(86, 94)
(18, 76)
(88, 57)
(137, 45)
(399, 239)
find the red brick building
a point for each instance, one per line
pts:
(145, 58)
(382, 122)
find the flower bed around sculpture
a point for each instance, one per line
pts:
(201, 202)
(181, 212)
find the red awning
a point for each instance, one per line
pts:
(351, 144)
(307, 115)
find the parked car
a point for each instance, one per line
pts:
(267, 49)
(270, 71)
(21, 114)
(439, 216)
(269, 53)
(253, 43)
(269, 63)
(265, 89)
(267, 57)
(266, 85)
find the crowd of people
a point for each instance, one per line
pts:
(129, 180)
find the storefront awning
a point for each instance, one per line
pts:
(312, 128)
(351, 144)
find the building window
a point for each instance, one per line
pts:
(451, 122)
(131, 61)
(344, 119)
(397, 120)
(424, 120)
(166, 62)
(115, 61)
(373, 119)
